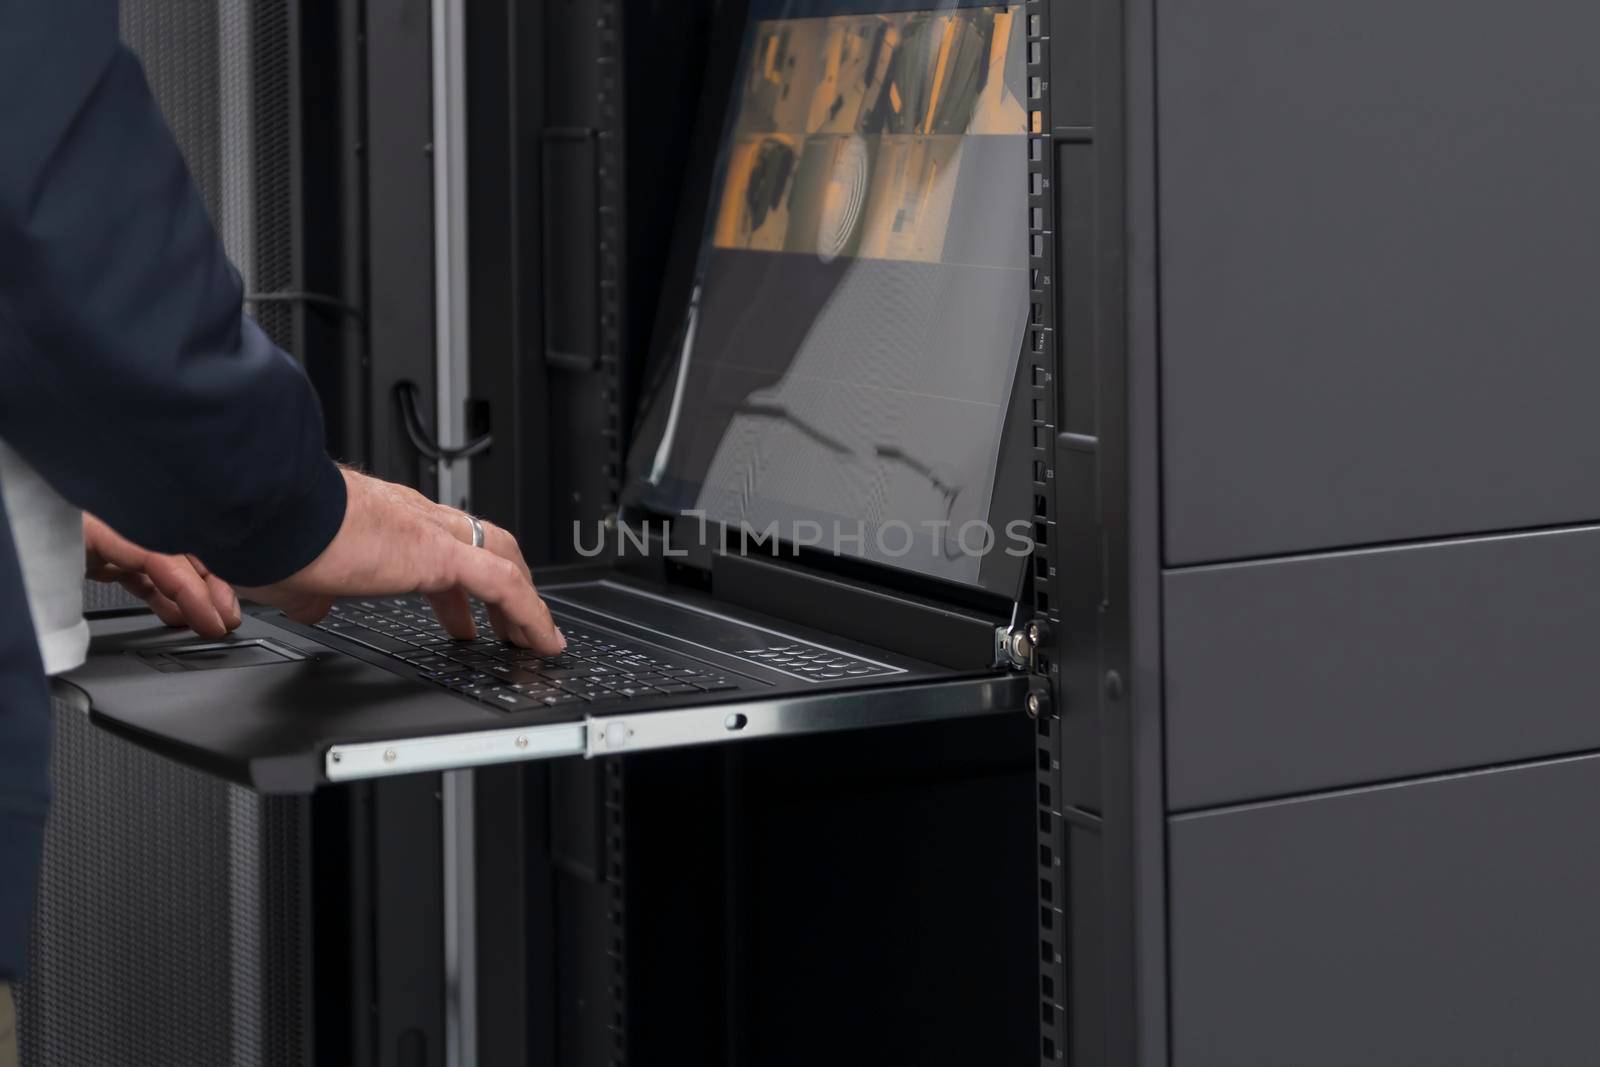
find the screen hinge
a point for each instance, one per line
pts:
(1014, 645)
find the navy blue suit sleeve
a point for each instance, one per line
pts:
(128, 374)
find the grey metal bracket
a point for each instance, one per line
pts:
(802, 714)
(646, 730)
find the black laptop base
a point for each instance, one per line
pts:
(286, 708)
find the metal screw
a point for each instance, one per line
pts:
(1038, 633)
(1035, 705)
(522, 742)
(337, 757)
(390, 755)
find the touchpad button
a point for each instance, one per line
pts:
(218, 655)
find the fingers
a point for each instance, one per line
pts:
(225, 600)
(523, 617)
(222, 594)
(143, 588)
(177, 580)
(179, 589)
(306, 610)
(498, 621)
(502, 544)
(495, 539)
(392, 540)
(454, 613)
(498, 542)
(103, 545)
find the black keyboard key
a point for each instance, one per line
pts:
(376, 641)
(575, 685)
(593, 667)
(508, 699)
(513, 674)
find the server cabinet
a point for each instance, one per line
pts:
(1441, 921)
(1316, 742)
(661, 908)
(1375, 273)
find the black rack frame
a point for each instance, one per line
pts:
(1074, 364)
(1100, 901)
(1097, 689)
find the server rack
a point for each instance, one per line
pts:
(1096, 698)
(1147, 810)
(587, 160)
(1239, 546)
(1317, 739)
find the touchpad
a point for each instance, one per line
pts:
(219, 655)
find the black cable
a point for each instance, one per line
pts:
(406, 393)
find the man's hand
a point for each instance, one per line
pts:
(395, 540)
(178, 589)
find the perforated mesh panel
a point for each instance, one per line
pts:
(169, 926)
(222, 72)
(103, 596)
(173, 908)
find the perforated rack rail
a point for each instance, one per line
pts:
(1079, 689)
(613, 222)
(1040, 367)
(612, 208)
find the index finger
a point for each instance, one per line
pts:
(112, 547)
(499, 583)
(495, 538)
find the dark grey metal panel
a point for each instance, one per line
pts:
(397, 151)
(171, 928)
(1300, 674)
(1143, 656)
(1380, 240)
(1449, 923)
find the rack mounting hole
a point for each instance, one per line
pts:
(736, 721)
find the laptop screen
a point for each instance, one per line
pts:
(842, 376)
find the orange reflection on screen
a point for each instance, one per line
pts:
(849, 130)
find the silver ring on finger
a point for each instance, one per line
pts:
(477, 531)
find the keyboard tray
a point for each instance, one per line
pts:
(336, 710)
